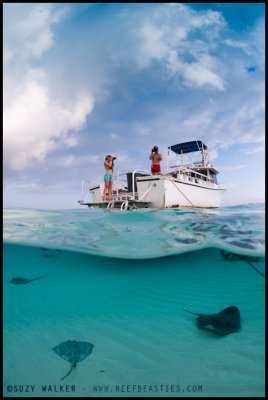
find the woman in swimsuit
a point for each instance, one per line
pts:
(108, 178)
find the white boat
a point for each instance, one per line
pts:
(183, 185)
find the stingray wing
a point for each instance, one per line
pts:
(228, 320)
(64, 350)
(83, 349)
(224, 322)
(73, 351)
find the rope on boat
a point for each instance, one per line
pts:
(144, 194)
(180, 191)
(259, 272)
(201, 214)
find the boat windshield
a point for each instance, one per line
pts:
(214, 177)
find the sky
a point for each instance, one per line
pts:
(83, 80)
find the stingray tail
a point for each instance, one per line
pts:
(190, 312)
(67, 373)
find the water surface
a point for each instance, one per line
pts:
(120, 280)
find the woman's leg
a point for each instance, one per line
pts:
(106, 186)
(110, 190)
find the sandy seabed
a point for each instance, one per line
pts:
(132, 311)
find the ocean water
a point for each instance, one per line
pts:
(121, 280)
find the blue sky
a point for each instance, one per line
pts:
(85, 80)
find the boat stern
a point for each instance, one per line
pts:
(96, 193)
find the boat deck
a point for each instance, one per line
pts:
(123, 205)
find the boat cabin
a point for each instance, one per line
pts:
(200, 170)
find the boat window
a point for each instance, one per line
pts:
(214, 177)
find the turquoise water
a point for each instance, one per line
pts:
(120, 280)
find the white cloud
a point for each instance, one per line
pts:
(113, 136)
(93, 159)
(252, 150)
(71, 161)
(26, 187)
(233, 167)
(202, 119)
(70, 141)
(163, 36)
(237, 44)
(213, 154)
(122, 158)
(252, 43)
(197, 75)
(34, 123)
(140, 128)
(27, 29)
(153, 46)
(67, 161)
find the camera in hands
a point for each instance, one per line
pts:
(114, 158)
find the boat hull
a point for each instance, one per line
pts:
(166, 192)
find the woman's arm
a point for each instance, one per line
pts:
(107, 164)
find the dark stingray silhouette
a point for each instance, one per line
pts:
(22, 281)
(238, 257)
(224, 322)
(73, 352)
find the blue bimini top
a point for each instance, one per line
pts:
(188, 147)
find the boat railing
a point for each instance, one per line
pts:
(133, 176)
(194, 176)
(124, 182)
(182, 173)
(82, 187)
(119, 184)
(193, 164)
(119, 181)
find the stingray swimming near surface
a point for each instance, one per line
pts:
(47, 255)
(228, 256)
(22, 281)
(224, 322)
(73, 352)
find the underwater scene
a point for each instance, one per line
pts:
(142, 303)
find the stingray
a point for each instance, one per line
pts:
(22, 281)
(224, 322)
(238, 257)
(73, 352)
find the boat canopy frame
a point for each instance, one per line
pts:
(188, 147)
